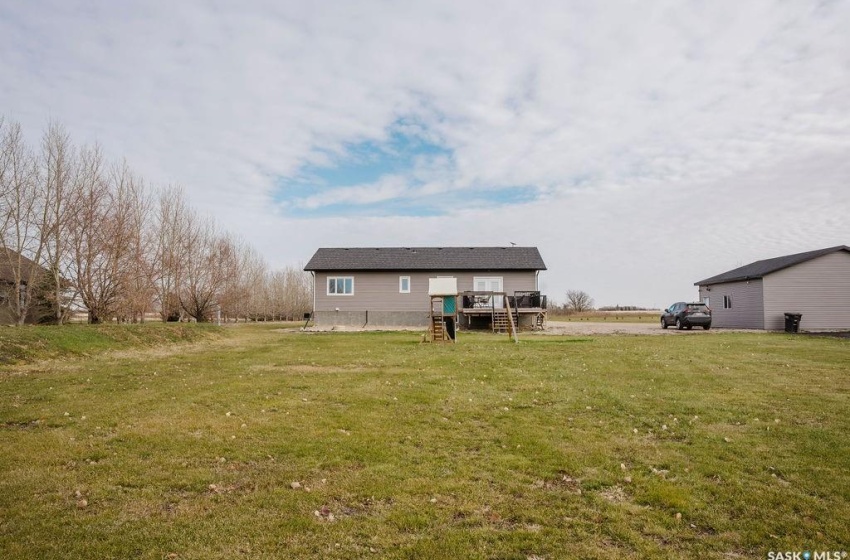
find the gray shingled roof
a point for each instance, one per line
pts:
(8, 257)
(427, 258)
(759, 269)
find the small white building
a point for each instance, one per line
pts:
(815, 284)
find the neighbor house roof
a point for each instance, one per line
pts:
(427, 258)
(8, 258)
(759, 269)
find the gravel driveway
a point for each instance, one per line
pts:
(574, 328)
(588, 327)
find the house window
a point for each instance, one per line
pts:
(341, 286)
(727, 302)
(404, 284)
(489, 284)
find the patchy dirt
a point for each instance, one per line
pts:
(614, 494)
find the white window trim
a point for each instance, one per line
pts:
(401, 289)
(494, 300)
(336, 278)
(476, 279)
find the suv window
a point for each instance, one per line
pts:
(697, 307)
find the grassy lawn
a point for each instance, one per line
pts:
(29, 343)
(698, 446)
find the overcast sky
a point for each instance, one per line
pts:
(642, 146)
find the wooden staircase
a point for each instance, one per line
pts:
(438, 328)
(500, 321)
(505, 320)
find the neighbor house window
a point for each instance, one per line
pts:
(404, 284)
(341, 286)
(727, 302)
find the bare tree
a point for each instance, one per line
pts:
(58, 163)
(134, 209)
(169, 258)
(21, 239)
(290, 293)
(5, 164)
(578, 301)
(73, 227)
(205, 271)
(96, 236)
(299, 292)
(236, 266)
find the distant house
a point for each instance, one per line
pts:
(757, 296)
(388, 286)
(16, 271)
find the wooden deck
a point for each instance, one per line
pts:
(488, 310)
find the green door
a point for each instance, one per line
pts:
(449, 305)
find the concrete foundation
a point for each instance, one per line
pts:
(359, 319)
(371, 318)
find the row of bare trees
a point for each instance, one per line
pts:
(77, 231)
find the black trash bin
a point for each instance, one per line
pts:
(792, 322)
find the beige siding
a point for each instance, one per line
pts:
(379, 291)
(747, 310)
(819, 289)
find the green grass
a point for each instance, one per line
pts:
(30, 343)
(553, 448)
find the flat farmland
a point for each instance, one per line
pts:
(257, 441)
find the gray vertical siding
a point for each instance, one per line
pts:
(819, 289)
(379, 291)
(747, 310)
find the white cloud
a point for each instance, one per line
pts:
(388, 187)
(629, 118)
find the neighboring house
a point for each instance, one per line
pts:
(388, 286)
(10, 288)
(815, 284)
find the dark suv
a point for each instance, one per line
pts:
(686, 316)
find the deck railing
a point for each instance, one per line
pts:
(485, 300)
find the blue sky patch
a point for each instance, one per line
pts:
(363, 163)
(367, 163)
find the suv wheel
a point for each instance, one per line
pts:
(663, 323)
(679, 324)
(706, 327)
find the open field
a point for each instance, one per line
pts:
(721, 446)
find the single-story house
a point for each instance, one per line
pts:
(815, 284)
(388, 286)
